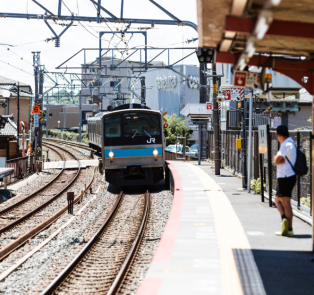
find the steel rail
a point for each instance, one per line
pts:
(40, 227)
(26, 216)
(5, 210)
(118, 282)
(53, 286)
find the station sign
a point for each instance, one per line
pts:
(246, 79)
(262, 139)
(36, 120)
(36, 109)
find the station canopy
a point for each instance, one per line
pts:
(277, 33)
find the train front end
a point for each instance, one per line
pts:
(133, 146)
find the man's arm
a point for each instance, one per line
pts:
(278, 160)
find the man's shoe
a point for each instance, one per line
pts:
(279, 233)
(290, 233)
(284, 227)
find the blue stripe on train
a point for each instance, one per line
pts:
(133, 152)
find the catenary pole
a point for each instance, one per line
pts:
(80, 116)
(18, 121)
(215, 121)
(249, 162)
(47, 115)
(40, 102)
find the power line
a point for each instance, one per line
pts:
(15, 67)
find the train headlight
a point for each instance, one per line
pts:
(111, 154)
(155, 153)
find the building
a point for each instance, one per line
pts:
(26, 96)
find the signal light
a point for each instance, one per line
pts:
(166, 125)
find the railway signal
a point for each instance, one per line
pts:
(165, 130)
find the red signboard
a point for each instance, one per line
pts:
(239, 79)
(226, 94)
(209, 106)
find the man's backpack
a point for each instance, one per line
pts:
(300, 168)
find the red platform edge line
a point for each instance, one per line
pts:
(166, 244)
(151, 286)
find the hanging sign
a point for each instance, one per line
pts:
(246, 79)
(209, 105)
(36, 109)
(36, 120)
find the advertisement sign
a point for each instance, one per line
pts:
(262, 139)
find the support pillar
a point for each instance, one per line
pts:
(216, 122)
(203, 99)
(284, 119)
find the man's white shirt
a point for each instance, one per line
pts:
(287, 149)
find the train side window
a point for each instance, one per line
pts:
(113, 126)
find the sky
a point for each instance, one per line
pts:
(26, 36)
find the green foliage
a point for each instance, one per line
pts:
(256, 185)
(176, 128)
(65, 135)
(306, 201)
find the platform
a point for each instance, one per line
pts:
(6, 172)
(220, 240)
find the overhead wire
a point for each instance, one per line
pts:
(16, 67)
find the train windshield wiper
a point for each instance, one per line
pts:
(147, 133)
(135, 133)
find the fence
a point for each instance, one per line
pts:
(234, 118)
(303, 186)
(231, 158)
(21, 166)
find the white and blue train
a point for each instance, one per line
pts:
(132, 144)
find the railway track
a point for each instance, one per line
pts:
(102, 265)
(16, 214)
(77, 145)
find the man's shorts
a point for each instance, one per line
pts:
(285, 186)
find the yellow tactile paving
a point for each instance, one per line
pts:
(239, 271)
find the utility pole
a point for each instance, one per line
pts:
(80, 116)
(47, 115)
(215, 121)
(36, 63)
(18, 121)
(40, 102)
(203, 99)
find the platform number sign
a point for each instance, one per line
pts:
(36, 120)
(36, 109)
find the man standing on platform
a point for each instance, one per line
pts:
(286, 179)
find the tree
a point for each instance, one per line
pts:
(176, 128)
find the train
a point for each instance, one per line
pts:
(131, 141)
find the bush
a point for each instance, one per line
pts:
(65, 135)
(256, 185)
(306, 201)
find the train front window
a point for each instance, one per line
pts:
(140, 125)
(113, 126)
(132, 128)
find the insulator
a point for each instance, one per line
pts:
(57, 42)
